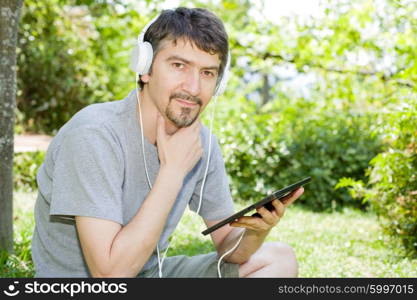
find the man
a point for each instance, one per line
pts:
(97, 215)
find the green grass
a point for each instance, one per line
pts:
(19, 263)
(340, 244)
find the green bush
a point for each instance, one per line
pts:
(69, 57)
(391, 186)
(283, 143)
(58, 73)
(25, 167)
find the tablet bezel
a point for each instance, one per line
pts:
(275, 195)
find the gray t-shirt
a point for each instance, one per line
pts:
(94, 167)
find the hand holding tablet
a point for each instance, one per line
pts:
(266, 202)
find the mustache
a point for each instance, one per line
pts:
(185, 97)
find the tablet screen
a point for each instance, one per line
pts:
(275, 195)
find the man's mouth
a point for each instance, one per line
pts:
(186, 102)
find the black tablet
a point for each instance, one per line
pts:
(264, 202)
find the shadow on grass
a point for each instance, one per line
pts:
(190, 246)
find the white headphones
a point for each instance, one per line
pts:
(142, 56)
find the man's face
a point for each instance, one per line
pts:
(182, 81)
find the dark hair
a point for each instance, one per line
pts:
(197, 25)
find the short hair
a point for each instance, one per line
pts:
(197, 25)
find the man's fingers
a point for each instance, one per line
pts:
(266, 215)
(243, 226)
(245, 220)
(196, 125)
(279, 208)
(194, 128)
(293, 196)
(250, 223)
(160, 128)
(268, 219)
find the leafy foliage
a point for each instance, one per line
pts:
(285, 143)
(392, 180)
(69, 57)
(25, 168)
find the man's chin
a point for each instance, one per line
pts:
(183, 124)
(181, 121)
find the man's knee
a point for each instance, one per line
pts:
(283, 256)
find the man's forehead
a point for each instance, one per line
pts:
(186, 49)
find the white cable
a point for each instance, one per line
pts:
(208, 155)
(226, 253)
(161, 261)
(141, 131)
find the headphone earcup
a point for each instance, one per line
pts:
(141, 58)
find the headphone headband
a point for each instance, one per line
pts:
(141, 36)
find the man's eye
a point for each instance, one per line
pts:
(178, 65)
(208, 74)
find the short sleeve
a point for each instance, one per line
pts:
(88, 175)
(217, 201)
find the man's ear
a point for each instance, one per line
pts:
(145, 78)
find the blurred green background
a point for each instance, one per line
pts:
(326, 89)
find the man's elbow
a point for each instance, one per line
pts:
(111, 274)
(108, 271)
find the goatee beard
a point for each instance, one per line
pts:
(183, 120)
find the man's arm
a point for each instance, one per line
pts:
(113, 250)
(256, 230)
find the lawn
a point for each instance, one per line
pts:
(339, 244)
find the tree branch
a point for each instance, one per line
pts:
(384, 77)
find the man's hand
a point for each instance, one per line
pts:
(268, 218)
(180, 151)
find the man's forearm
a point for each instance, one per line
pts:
(135, 242)
(250, 242)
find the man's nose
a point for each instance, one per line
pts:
(192, 84)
